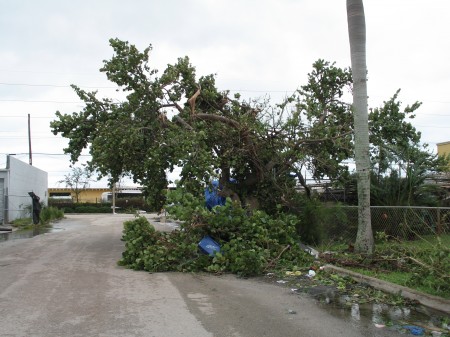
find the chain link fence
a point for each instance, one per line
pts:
(340, 224)
(16, 207)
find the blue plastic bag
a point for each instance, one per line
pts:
(415, 330)
(208, 246)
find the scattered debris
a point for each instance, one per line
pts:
(389, 312)
(415, 330)
(309, 250)
(208, 246)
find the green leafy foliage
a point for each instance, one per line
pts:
(320, 107)
(211, 135)
(317, 222)
(413, 189)
(251, 243)
(429, 267)
(47, 215)
(175, 118)
(50, 213)
(83, 208)
(422, 264)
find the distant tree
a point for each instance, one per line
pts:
(407, 182)
(357, 35)
(401, 164)
(321, 113)
(77, 180)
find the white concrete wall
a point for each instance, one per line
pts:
(3, 177)
(23, 178)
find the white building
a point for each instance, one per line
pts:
(16, 180)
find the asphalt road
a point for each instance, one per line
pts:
(67, 283)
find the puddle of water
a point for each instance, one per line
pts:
(27, 233)
(358, 305)
(380, 315)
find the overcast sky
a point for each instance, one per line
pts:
(260, 47)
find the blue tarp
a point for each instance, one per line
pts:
(212, 197)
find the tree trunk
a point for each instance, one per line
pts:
(357, 36)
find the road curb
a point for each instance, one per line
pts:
(430, 301)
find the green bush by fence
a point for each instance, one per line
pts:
(128, 205)
(340, 224)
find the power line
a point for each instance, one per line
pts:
(49, 72)
(45, 154)
(32, 101)
(432, 126)
(231, 90)
(26, 137)
(49, 117)
(20, 154)
(55, 85)
(24, 116)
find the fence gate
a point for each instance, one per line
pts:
(2, 200)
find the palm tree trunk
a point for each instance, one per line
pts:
(357, 36)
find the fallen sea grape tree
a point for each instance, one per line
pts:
(251, 244)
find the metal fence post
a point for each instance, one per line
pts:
(439, 224)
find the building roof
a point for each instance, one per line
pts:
(443, 143)
(88, 189)
(127, 188)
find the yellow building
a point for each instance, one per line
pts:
(443, 149)
(93, 195)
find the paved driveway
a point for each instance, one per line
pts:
(67, 283)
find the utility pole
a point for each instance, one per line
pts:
(114, 198)
(30, 160)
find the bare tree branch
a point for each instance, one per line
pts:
(182, 122)
(217, 118)
(192, 100)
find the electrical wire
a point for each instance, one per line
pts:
(55, 85)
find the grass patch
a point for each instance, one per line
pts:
(22, 223)
(401, 278)
(423, 242)
(422, 264)
(48, 214)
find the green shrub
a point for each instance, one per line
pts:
(252, 243)
(49, 214)
(138, 235)
(132, 204)
(87, 208)
(319, 223)
(129, 205)
(22, 222)
(429, 267)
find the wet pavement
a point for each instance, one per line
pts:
(359, 307)
(27, 233)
